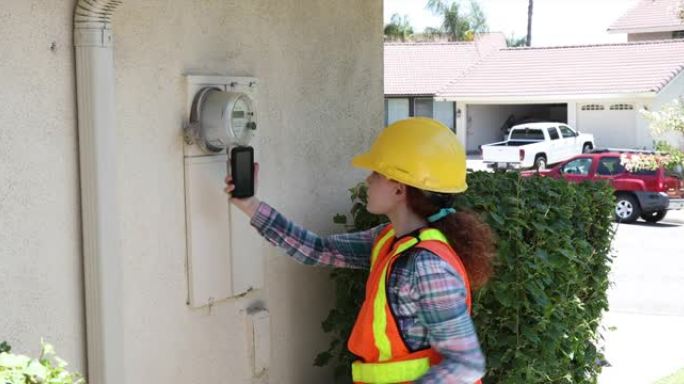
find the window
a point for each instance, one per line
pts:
(527, 134)
(593, 107)
(621, 107)
(678, 35)
(553, 133)
(645, 172)
(578, 167)
(423, 107)
(396, 109)
(567, 132)
(444, 112)
(609, 166)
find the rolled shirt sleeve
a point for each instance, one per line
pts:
(346, 250)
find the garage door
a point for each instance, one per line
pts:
(613, 125)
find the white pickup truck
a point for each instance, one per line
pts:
(536, 145)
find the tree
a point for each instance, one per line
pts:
(530, 10)
(456, 24)
(670, 117)
(478, 20)
(431, 33)
(514, 41)
(398, 28)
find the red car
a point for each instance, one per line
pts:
(648, 194)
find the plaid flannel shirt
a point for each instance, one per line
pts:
(426, 295)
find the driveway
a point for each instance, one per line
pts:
(646, 303)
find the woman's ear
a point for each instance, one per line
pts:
(400, 190)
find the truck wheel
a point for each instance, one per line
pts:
(627, 208)
(655, 216)
(587, 148)
(540, 162)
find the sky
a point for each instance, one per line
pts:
(555, 22)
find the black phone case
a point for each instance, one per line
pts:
(242, 190)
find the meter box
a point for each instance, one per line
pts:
(224, 254)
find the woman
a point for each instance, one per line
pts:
(414, 325)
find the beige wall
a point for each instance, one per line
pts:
(319, 66)
(673, 90)
(40, 261)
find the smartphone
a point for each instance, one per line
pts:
(242, 171)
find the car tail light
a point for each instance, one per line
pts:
(522, 154)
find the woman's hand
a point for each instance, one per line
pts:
(247, 205)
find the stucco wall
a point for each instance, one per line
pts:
(674, 90)
(40, 261)
(319, 66)
(320, 100)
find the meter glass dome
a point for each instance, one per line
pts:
(241, 119)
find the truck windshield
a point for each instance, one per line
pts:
(527, 134)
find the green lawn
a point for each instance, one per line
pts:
(675, 378)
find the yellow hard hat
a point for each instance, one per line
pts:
(419, 152)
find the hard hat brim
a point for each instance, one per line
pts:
(363, 161)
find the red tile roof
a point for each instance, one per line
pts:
(651, 16)
(424, 68)
(628, 68)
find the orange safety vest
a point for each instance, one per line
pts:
(375, 338)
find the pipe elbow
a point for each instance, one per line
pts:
(95, 12)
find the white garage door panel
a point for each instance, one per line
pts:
(611, 128)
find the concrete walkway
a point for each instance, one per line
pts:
(647, 303)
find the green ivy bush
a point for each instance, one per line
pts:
(538, 317)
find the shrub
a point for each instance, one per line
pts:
(47, 368)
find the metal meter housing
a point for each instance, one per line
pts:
(220, 119)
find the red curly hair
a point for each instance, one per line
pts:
(471, 238)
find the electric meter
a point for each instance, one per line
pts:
(220, 119)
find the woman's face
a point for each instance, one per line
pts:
(384, 195)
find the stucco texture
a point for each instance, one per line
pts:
(41, 285)
(319, 67)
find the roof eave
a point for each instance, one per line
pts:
(539, 99)
(395, 95)
(669, 28)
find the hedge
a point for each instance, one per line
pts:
(538, 318)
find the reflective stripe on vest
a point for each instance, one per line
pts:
(390, 372)
(380, 315)
(376, 338)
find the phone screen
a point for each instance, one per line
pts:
(242, 171)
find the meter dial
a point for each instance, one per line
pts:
(242, 122)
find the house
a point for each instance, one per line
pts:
(652, 20)
(415, 71)
(596, 88)
(94, 240)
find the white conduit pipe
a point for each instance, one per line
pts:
(99, 203)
